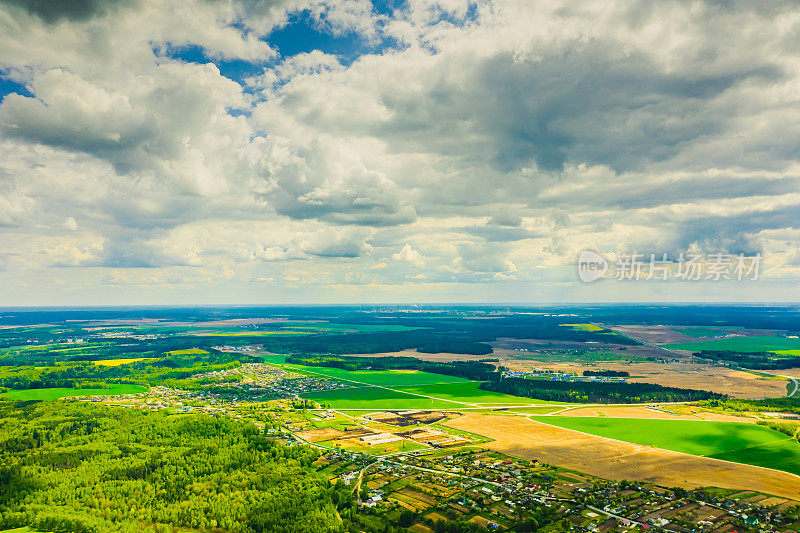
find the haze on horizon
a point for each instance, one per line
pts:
(338, 151)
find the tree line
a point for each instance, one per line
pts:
(596, 392)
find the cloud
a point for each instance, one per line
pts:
(74, 10)
(407, 253)
(438, 142)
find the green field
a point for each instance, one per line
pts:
(56, 393)
(470, 393)
(740, 344)
(383, 378)
(373, 398)
(738, 442)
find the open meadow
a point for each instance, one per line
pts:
(740, 344)
(61, 392)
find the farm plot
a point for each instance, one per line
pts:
(741, 344)
(615, 459)
(376, 398)
(382, 378)
(469, 392)
(60, 392)
(731, 441)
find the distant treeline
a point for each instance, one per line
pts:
(607, 373)
(752, 360)
(785, 405)
(475, 370)
(593, 392)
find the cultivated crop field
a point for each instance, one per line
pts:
(470, 393)
(741, 344)
(382, 378)
(375, 398)
(56, 393)
(615, 459)
(732, 441)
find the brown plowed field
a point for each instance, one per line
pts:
(612, 459)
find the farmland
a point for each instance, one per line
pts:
(615, 459)
(61, 392)
(730, 441)
(377, 398)
(386, 378)
(470, 393)
(118, 362)
(741, 344)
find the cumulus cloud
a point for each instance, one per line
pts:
(453, 141)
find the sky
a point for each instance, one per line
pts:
(357, 151)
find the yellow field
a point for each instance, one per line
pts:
(584, 327)
(188, 351)
(118, 362)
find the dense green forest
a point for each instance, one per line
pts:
(74, 467)
(752, 360)
(593, 392)
(475, 370)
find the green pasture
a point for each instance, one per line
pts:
(741, 344)
(383, 378)
(375, 398)
(739, 442)
(61, 392)
(469, 392)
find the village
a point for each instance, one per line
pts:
(496, 491)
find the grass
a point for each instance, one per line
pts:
(118, 362)
(188, 351)
(583, 327)
(273, 358)
(56, 393)
(788, 353)
(383, 378)
(739, 442)
(374, 398)
(741, 344)
(470, 393)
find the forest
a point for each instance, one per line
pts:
(594, 392)
(75, 467)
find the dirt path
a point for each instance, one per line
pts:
(613, 459)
